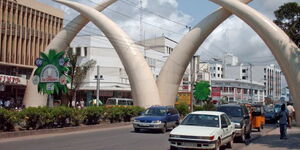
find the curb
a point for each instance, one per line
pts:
(5, 135)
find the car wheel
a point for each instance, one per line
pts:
(164, 129)
(218, 145)
(136, 130)
(230, 144)
(177, 123)
(258, 129)
(173, 148)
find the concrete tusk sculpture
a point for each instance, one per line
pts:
(60, 43)
(173, 70)
(143, 86)
(284, 50)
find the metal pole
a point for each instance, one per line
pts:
(98, 82)
(251, 83)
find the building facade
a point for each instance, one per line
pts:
(237, 91)
(26, 28)
(115, 82)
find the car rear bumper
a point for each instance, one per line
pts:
(192, 143)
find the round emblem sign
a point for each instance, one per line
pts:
(50, 73)
(38, 62)
(35, 80)
(63, 80)
(61, 61)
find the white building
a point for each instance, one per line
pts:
(216, 71)
(270, 76)
(231, 60)
(115, 81)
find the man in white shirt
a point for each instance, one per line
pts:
(291, 113)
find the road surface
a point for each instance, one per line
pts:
(120, 138)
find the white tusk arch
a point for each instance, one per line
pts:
(143, 86)
(173, 70)
(60, 43)
(284, 50)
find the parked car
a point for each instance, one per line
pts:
(270, 115)
(157, 118)
(119, 101)
(240, 116)
(203, 130)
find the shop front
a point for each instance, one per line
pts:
(12, 89)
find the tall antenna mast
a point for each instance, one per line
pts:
(142, 38)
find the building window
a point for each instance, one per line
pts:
(218, 68)
(218, 75)
(221, 76)
(214, 75)
(78, 51)
(221, 69)
(85, 51)
(214, 68)
(244, 70)
(265, 70)
(244, 77)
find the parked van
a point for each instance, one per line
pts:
(119, 101)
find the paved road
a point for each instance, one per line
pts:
(121, 138)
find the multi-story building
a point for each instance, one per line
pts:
(216, 71)
(238, 91)
(26, 28)
(268, 75)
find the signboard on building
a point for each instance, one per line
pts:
(216, 93)
(183, 97)
(51, 75)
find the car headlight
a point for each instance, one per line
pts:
(237, 125)
(156, 121)
(136, 121)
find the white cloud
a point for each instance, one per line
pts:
(235, 36)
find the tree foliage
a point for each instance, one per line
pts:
(77, 72)
(202, 91)
(288, 19)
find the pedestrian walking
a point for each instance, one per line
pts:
(82, 103)
(291, 110)
(283, 121)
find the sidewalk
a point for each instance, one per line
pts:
(271, 141)
(103, 125)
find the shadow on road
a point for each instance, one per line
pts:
(273, 141)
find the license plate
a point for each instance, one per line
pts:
(190, 144)
(144, 125)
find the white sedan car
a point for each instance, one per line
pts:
(203, 130)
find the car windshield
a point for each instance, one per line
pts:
(269, 109)
(277, 108)
(201, 120)
(155, 112)
(231, 111)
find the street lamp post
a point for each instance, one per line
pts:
(98, 77)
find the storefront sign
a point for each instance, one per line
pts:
(184, 97)
(9, 79)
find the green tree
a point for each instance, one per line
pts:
(288, 19)
(202, 91)
(77, 73)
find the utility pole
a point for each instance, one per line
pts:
(98, 82)
(251, 88)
